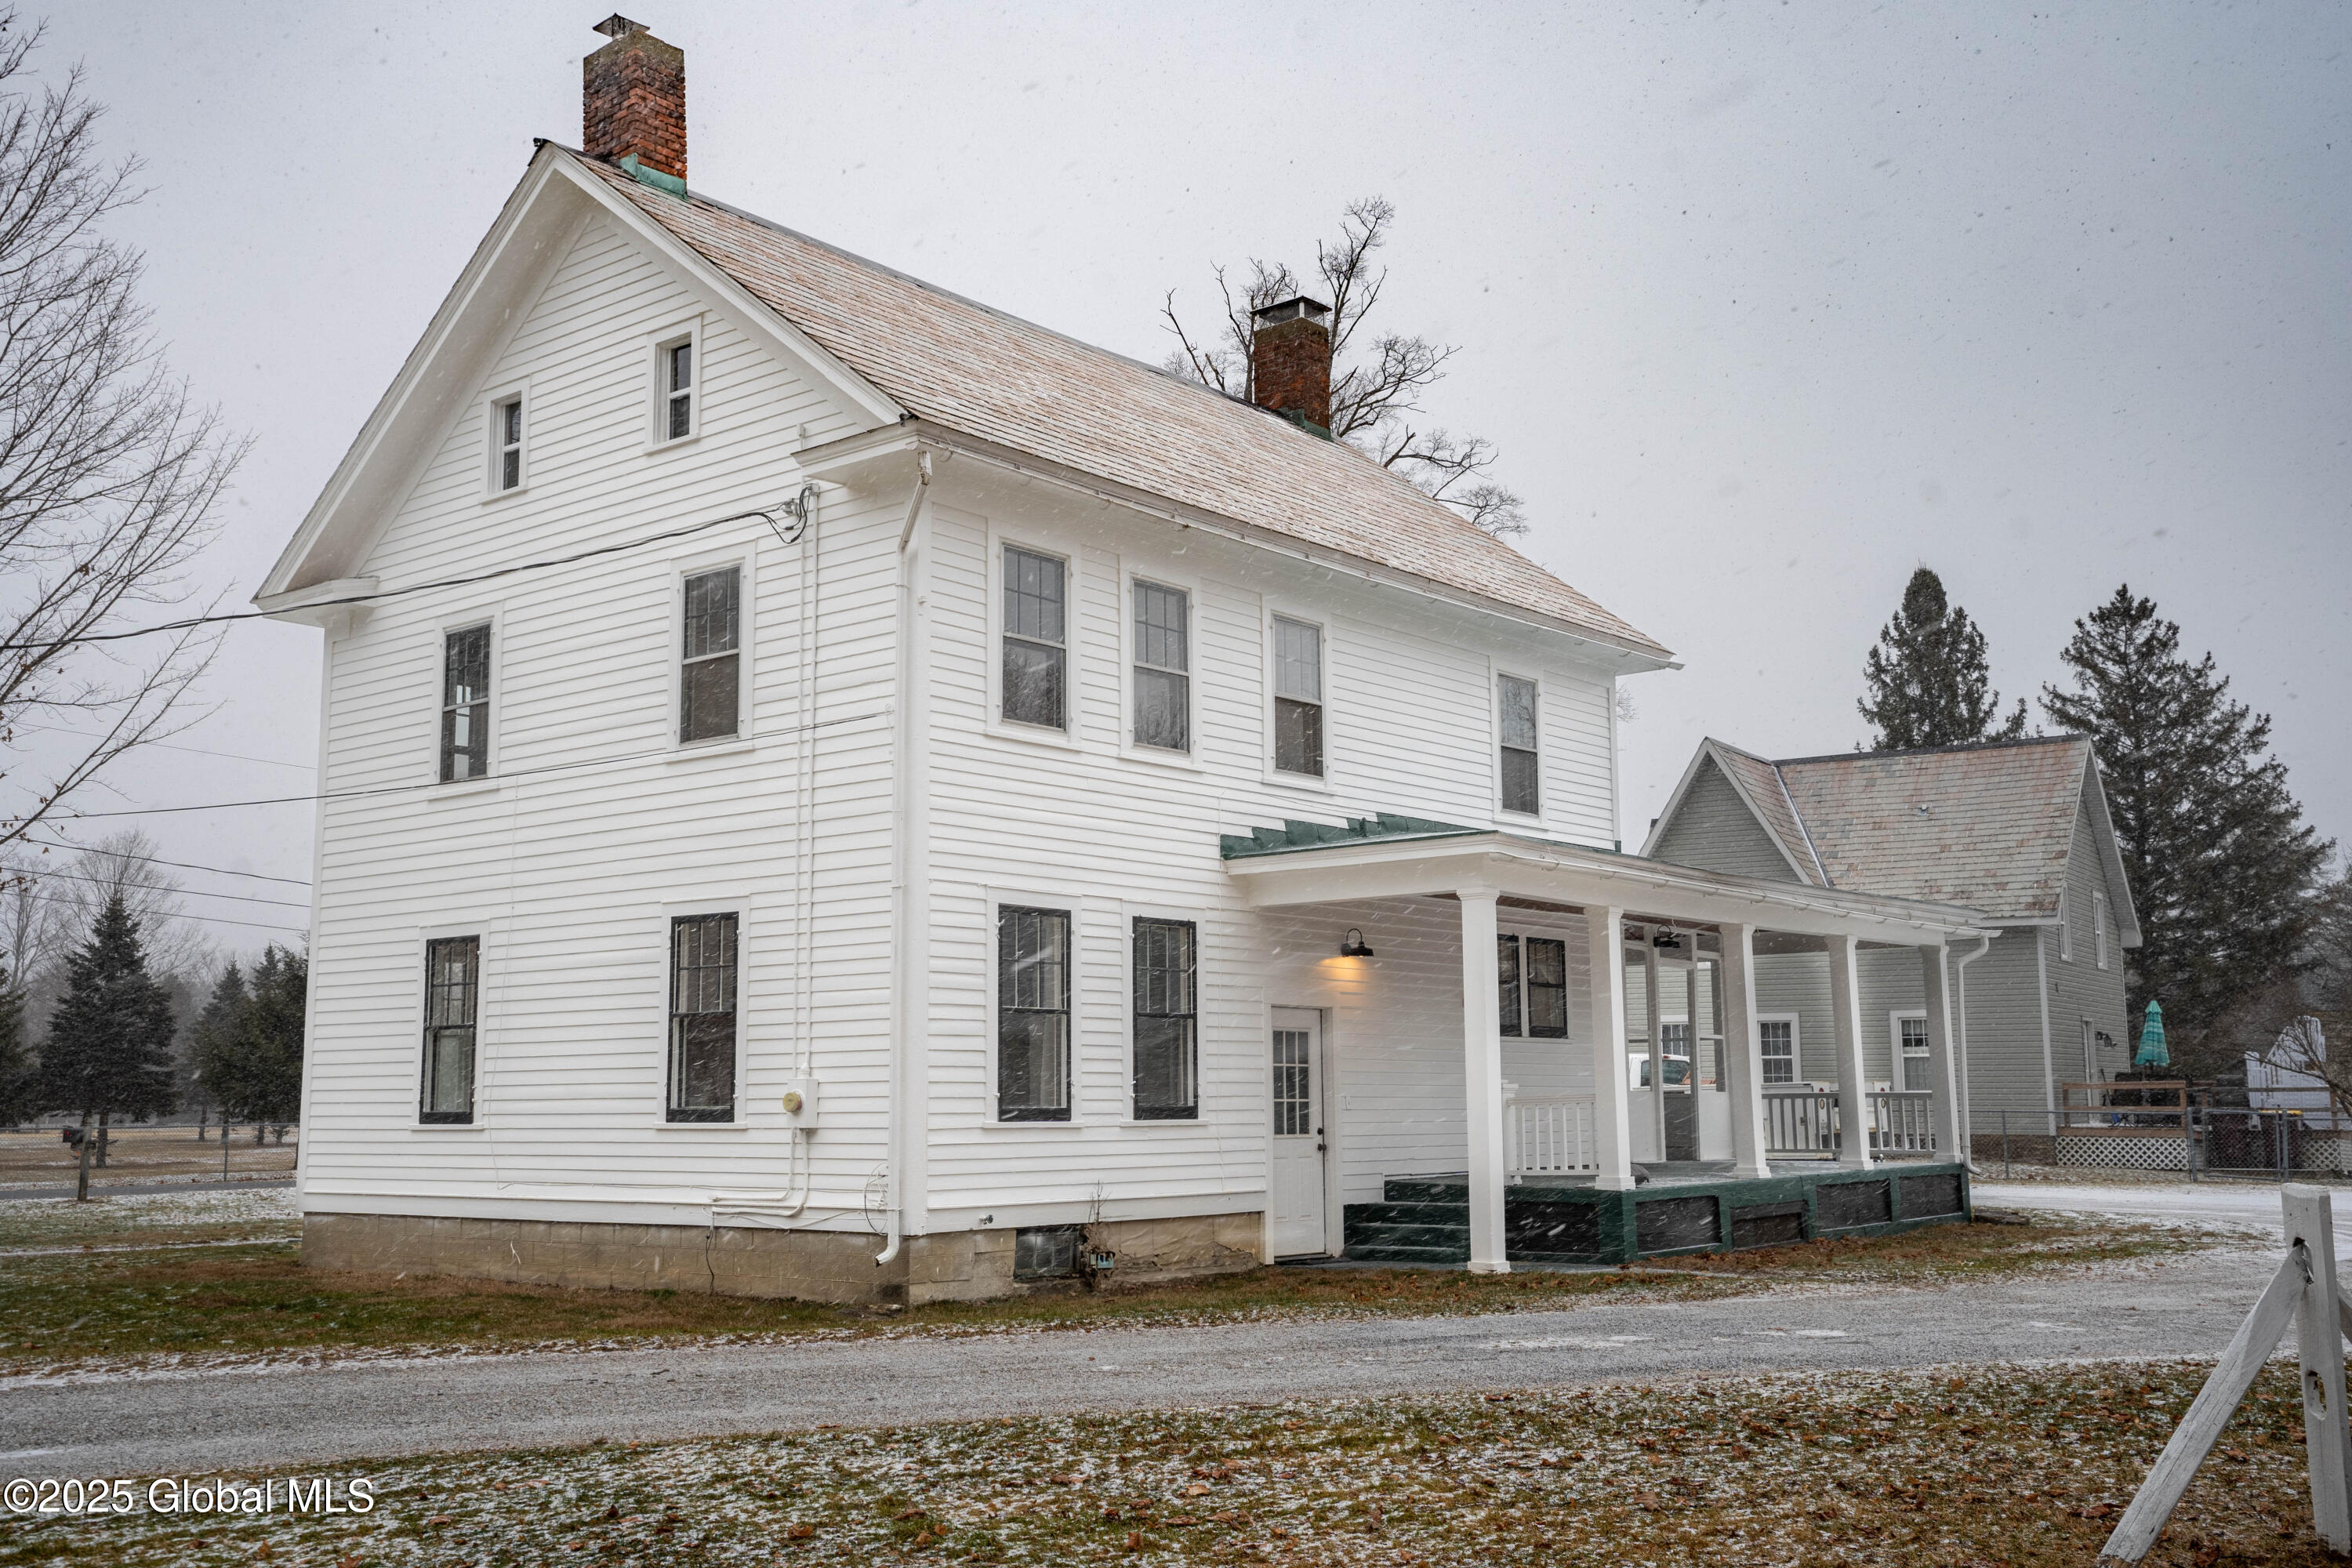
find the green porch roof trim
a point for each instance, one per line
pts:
(1295, 835)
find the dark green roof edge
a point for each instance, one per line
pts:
(1296, 835)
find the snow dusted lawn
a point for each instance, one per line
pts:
(2023, 1466)
(148, 1219)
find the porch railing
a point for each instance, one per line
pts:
(1802, 1124)
(1550, 1134)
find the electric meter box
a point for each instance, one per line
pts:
(799, 1104)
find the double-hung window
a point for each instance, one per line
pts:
(1515, 701)
(1167, 1021)
(1297, 697)
(2065, 928)
(453, 992)
(702, 989)
(1911, 1051)
(1532, 972)
(2099, 926)
(1037, 650)
(1163, 663)
(506, 444)
(1033, 1015)
(710, 679)
(1778, 1039)
(465, 704)
(678, 391)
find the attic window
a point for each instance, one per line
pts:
(506, 435)
(677, 390)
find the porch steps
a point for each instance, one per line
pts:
(1416, 1221)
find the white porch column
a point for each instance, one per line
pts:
(1845, 1028)
(1482, 1079)
(1653, 1012)
(1943, 1076)
(1613, 1125)
(1743, 1053)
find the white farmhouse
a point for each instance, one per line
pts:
(832, 790)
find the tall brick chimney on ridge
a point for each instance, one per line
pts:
(633, 99)
(1290, 360)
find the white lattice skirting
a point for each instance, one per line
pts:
(2130, 1151)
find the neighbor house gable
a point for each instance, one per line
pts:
(1727, 815)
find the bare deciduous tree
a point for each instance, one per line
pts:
(2294, 1019)
(1376, 383)
(109, 471)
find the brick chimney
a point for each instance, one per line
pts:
(633, 99)
(1290, 360)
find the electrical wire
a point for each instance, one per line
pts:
(168, 746)
(179, 865)
(152, 887)
(202, 920)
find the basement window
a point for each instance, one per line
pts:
(1515, 700)
(710, 678)
(465, 704)
(1047, 1252)
(702, 985)
(1036, 652)
(453, 977)
(1297, 697)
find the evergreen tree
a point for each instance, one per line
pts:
(108, 1050)
(249, 1041)
(15, 1064)
(2220, 860)
(211, 1039)
(1928, 684)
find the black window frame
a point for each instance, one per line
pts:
(1162, 667)
(710, 655)
(1298, 712)
(1166, 994)
(467, 993)
(1036, 627)
(1524, 1014)
(1519, 753)
(1018, 1000)
(689, 992)
(1509, 977)
(465, 710)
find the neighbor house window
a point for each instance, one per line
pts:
(1297, 697)
(1167, 1021)
(677, 390)
(1778, 1037)
(1163, 694)
(2099, 926)
(453, 990)
(1515, 700)
(505, 429)
(465, 704)
(1033, 1015)
(1036, 651)
(702, 984)
(710, 683)
(1911, 1049)
(1534, 981)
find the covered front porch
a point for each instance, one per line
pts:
(1622, 1094)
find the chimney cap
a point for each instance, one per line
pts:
(619, 26)
(1299, 307)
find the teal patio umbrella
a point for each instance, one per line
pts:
(2151, 1052)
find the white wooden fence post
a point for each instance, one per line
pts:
(2327, 1435)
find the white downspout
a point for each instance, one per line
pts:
(1960, 995)
(903, 969)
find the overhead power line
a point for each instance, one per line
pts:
(180, 865)
(168, 746)
(150, 886)
(202, 920)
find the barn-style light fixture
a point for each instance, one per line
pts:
(1667, 940)
(1352, 946)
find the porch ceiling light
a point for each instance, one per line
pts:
(1352, 945)
(1666, 939)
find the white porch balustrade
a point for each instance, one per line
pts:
(1808, 1123)
(1550, 1135)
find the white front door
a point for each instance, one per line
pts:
(1295, 1182)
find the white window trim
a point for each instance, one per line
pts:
(494, 617)
(1494, 673)
(2065, 928)
(492, 448)
(657, 351)
(745, 737)
(1796, 1044)
(2099, 926)
(484, 931)
(1129, 913)
(739, 905)
(1038, 898)
(1273, 609)
(1130, 576)
(1895, 1076)
(993, 722)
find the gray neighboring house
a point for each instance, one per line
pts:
(2016, 829)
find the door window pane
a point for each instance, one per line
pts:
(702, 985)
(1033, 1015)
(1167, 1021)
(709, 684)
(453, 970)
(466, 704)
(1294, 1092)
(1035, 652)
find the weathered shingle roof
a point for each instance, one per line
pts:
(1005, 380)
(1987, 826)
(1762, 784)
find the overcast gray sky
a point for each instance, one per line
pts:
(1764, 305)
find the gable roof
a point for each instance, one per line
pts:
(960, 365)
(1989, 827)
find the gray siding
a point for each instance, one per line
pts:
(2082, 994)
(2005, 1068)
(1714, 830)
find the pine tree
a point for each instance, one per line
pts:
(109, 1049)
(252, 1063)
(1929, 683)
(2220, 861)
(16, 1065)
(211, 1039)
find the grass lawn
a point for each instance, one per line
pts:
(40, 1158)
(142, 1295)
(2022, 1467)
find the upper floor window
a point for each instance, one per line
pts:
(506, 432)
(465, 704)
(1533, 974)
(1033, 1015)
(678, 391)
(710, 681)
(1778, 1039)
(2099, 926)
(2065, 928)
(1297, 697)
(1163, 662)
(1167, 1021)
(453, 989)
(1515, 700)
(702, 984)
(1036, 651)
